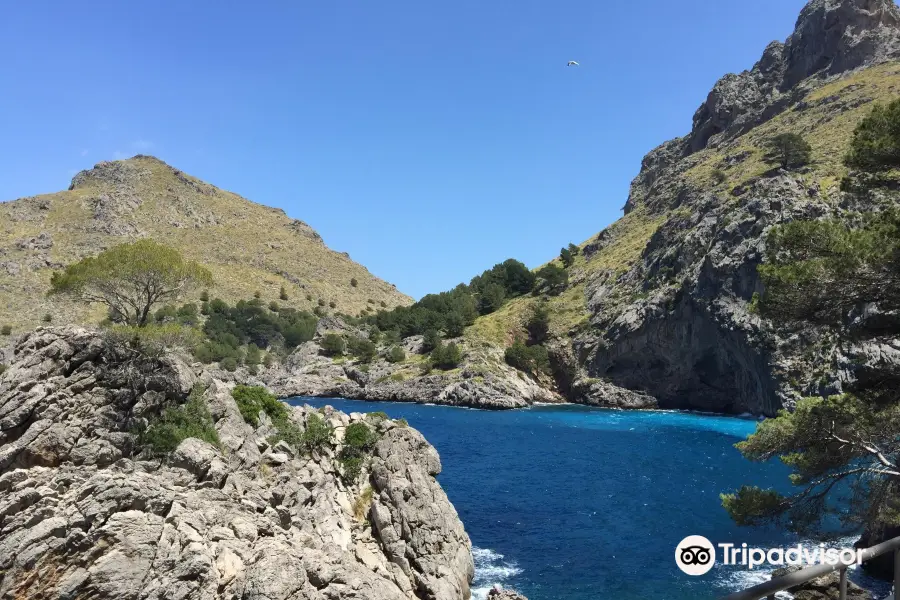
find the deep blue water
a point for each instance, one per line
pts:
(588, 504)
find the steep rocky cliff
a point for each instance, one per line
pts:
(676, 323)
(86, 512)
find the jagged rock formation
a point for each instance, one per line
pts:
(83, 514)
(247, 246)
(500, 594)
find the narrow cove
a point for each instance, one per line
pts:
(584, 503)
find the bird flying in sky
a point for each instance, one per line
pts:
(573, 63)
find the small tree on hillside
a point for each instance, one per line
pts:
(788, 150)
(131, 279)
(283, 295)
(876, 140)
(538, 324)
(567, 258)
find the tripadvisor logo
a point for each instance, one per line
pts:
(695, 555)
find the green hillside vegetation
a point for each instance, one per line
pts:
(246, 246)
(826, 119)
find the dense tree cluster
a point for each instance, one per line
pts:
(228, 329)
(449, 313)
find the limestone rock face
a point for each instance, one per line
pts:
(830, 37)
(83, 514)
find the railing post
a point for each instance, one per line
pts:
(843, 584)
(896, 572)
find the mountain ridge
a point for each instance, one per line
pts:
(249, 247)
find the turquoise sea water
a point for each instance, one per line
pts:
(588, 504)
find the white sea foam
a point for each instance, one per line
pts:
(490, 569)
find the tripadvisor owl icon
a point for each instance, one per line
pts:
(695, 555)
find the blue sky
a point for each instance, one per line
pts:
(429, 140)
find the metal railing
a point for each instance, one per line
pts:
(768, 589)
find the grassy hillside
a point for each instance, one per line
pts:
(247, 246)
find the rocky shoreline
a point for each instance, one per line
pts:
(84, 511)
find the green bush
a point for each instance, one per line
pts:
(719, 176)
(282, 295)
(359, 439)
(332, 304)
(204, 296)
(252, 400)
(176, 424)
(165, 313)
(318, 433)
(321, 302)
(3, 368)
(309, 297)
(254, 355)
(273, 306)
(354, 282)
(47, 318)
(787, 150)
(257, 294)
(333, 344)
(530, 359)
(396, 354)
(362, 349)
(6, 330)
(446, 357)
(567, 258)
(229, 363)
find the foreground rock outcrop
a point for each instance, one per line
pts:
(86, 512)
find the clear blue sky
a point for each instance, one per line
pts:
(429, 140)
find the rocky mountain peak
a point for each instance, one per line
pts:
(115, 172)
(831, 37)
